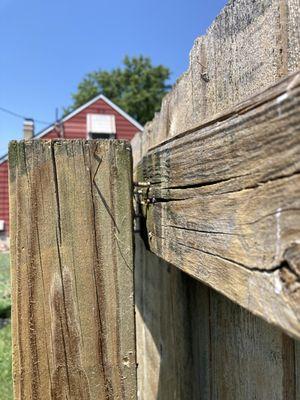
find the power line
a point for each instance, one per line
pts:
(14, 114)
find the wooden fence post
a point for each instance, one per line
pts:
(72, 270)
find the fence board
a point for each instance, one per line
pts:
(250, 359)
(297, 368)
(249, 46)
(224, 203)
(172, 331)
(223, 206)
(71, 257)
(193, 343)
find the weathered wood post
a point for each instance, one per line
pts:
(72, 270)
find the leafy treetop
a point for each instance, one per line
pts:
(138, 87)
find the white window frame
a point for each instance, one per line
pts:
(109, 132)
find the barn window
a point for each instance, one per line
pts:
(101, 126)
(2, 225)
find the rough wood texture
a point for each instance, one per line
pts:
(194, 344)
(72, 262)
(226, 203)
(171, 365)
(250, 46)
(224, 207)
(297, 368)
(250, 359)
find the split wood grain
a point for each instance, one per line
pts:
(225, 203)
(72, 270)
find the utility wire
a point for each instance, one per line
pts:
(22, 116)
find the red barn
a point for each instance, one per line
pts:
(99, 118)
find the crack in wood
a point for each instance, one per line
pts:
(100, 159)
(283, 265)
(56, 190)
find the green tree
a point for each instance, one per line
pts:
(137, 88)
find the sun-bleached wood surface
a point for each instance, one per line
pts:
(72, 270)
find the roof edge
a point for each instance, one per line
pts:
(3, 158)
(89, 103)
(81, 108)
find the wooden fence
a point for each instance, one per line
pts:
(217, 270)
(222, 158)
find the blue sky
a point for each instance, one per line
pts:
(48, 46)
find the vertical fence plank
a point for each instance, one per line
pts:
(172, 331)
(250, 358)
(297, 368)
(72, 270)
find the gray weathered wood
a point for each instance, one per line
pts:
(249, 46)
(72, 270)
(297, 368)
(225, 190)
(194, 344)
(225, 203)
(249, 358)
(172, 331)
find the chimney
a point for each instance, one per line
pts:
(28, 128)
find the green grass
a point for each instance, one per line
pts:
(5, 300)
(5, 332)
(5, 364)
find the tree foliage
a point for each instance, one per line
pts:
(138, 87)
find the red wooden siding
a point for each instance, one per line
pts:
(74, 128)
(4, 207)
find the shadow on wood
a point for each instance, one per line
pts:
(193, 343)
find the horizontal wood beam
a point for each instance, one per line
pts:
(224, 203)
